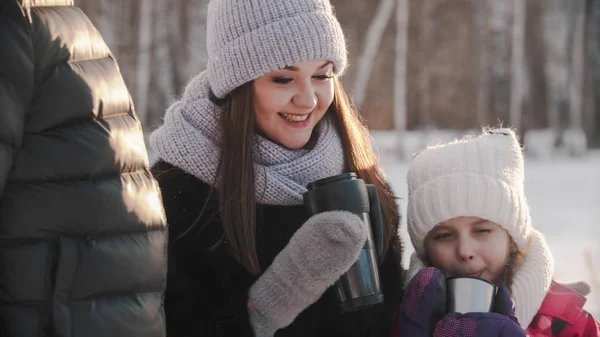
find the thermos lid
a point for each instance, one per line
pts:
(329, 180)
(470, 277)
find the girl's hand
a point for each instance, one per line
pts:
(423, 311)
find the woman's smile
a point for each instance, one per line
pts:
(296, 119)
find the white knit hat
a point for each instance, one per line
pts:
(481, 177)
(247, 39)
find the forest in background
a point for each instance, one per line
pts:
(414, 65)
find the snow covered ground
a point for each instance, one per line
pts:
(564, 197)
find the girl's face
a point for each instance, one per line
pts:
(469, 246)
(289, 102)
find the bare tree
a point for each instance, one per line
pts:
(499, 38)
(577, 65)
(196, 44)
(424, 80)
(402, 10)
(495, 35)
(144, 59)
(479, 20)
(105, 21)
(163, 65)
(556, 40)
(176, 33)
(519, 80)
(594, 58)
(372, 40)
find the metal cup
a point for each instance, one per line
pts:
(469, 294)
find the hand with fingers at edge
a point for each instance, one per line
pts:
(323, 249)
(423, 312)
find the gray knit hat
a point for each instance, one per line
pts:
(249, 38)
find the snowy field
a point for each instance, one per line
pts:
(564, 197)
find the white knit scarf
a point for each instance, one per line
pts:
(190, 139)
(531, 280)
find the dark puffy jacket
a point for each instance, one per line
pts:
(82, 228)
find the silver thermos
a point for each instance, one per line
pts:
(359, 287)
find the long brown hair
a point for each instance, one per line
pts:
(235, 178)
(360, 158)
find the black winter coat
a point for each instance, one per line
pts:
(207, 290)
(82, 230)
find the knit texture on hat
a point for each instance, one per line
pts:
(247, 39)
(481, 177)
(190, 139)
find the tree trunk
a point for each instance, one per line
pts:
(577, 65)
(144, 59)
(196, 44)
(497, 54)
(480, 14)
(556, 38)
(106, 23)
(402, 10)
(424, 81)
(593, 32)
(164, 61)
(535, 114)
(519, 81)
(371, 46)
(177, 32)
(500, 24)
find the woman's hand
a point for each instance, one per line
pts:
(323, 249)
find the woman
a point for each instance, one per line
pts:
(265, 119)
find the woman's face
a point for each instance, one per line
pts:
(469, 246)
(289, 102)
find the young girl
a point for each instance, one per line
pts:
(266, 118)
(468, 215)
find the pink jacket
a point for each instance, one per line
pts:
(562, 315)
